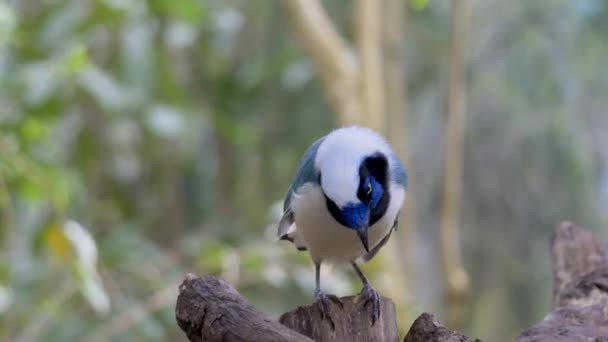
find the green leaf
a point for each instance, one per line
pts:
(211, 256)
(253, 261)
(419, 5)
(76, 61)
(30, 190)
(33, 130)
(193, 11)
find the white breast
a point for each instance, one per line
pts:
(326, 239)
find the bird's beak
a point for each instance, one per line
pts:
(362, 233)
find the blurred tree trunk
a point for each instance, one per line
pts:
(93, 138)
(335, 61)
(397, 128)
(370, 37)
(171, 221)
(224, 174)
(455, 275)
(369, 45)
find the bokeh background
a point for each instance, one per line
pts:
(144, 139)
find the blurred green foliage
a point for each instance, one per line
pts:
(169, 130)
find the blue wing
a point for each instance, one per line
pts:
(398, 171)
(306, 174)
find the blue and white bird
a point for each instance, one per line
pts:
(343, 204)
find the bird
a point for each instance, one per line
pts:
(343, 206)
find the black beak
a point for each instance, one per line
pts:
(362, 233)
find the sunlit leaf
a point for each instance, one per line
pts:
(33, 129)
(189, 10)
(419, 5)
(29, 189)
(211, 256)
(76, 60)
(253, 261)
(61, 188)
(131, 7)
(57, 241)
(4, 272)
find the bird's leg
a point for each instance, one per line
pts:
(323, 299)
(368, 294)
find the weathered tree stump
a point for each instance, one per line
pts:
(352, 322)
(580, 290)
(209, 309)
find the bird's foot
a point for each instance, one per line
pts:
(371, 297)
(323, 305)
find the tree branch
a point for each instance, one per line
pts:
(401, 245)
(457, 280)
(369, 44)
(335, 60)
(209, 309)
(320, 36)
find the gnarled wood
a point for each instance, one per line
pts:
(580, 296)
(353, 322)
(575, 252)
(210, 309)
(428, 328)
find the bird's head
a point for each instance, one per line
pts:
(354, 178)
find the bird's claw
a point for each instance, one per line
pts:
(323, 305)
(370, 296)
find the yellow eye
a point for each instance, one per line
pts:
(369, 189)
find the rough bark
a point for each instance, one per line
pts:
(353, 322)
(580, 292)
(575, 253)
(427, 328)
(209, 309)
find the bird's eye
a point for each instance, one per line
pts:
(369, 189)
